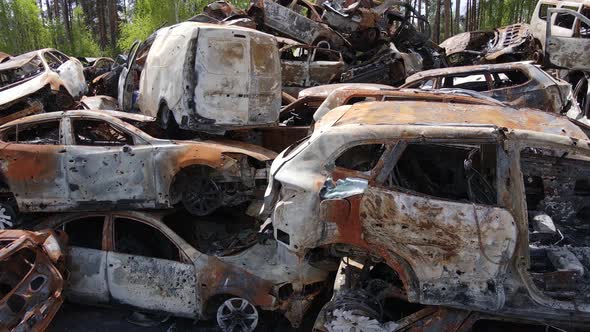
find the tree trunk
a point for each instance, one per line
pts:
(67, 19)
(114, 22)
(437, 22)
(100, 13)
(448, 17)
(457, 16)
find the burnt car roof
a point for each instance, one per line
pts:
(56, 115)
(473, 68)
(457, 115)
(325, 90)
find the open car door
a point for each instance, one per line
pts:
(125, 86)
(568, 52)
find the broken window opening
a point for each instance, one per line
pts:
(60, 56)
(136, 238)
(509, 78)
(14, 270)
(475, 82)
(85, 232)
(52, 61)
(565, 20)
(40, 133)
(423, 85)
(222, 233)
(464, 173)
(557, 190)
(543, 11)
(14, 75)
(99, 133)
(360, 158)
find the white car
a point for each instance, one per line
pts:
(43, 80)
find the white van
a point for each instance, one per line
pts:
(204, 77)
(562, 25)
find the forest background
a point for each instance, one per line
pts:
(108, 27)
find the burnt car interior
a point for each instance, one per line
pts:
(222, 233)
(99, 133)
(136, 238)
(12, 272)
(447, 171)
(41, 133)
(557, 190)
(454, 172)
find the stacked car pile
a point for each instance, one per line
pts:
(456, 202)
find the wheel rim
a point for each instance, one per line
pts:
(201, 196)
(237, 315)
(6, 218)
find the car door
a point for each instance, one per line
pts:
(570, 52)
(433, 205)
(86, 260)
(107, 165)
(325, 66)
(125, 85)
(33, 165)
(71, 73)
(295, 66)
(148, 271)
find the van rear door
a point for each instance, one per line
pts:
(239, 78)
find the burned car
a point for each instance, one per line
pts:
(507, 44)
(94, 67)
(88, 160)
(304, 66)
(204, 77)
(521, 85)
(472, 207)
(137, 260)
(44, 80)
(562, 24)
(31, 278)
(298, 19)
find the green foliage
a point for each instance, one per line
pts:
(83, 42)
(21, 27)
(22, 30)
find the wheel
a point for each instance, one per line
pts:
(7, 216)
(201, 195)
(237, 315)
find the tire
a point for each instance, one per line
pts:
(200, 195)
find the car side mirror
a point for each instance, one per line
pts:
(127, 149)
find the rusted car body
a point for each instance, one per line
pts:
(350, 95)
(448, 199)
(41, 80)
(521, 85)
(87, 160)
(511, 43)
(31, 279)
(94, 67)
(135, 259)
(4, 57)
(567, 52)
(204, 77)
(304, 66)
(299, 20)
